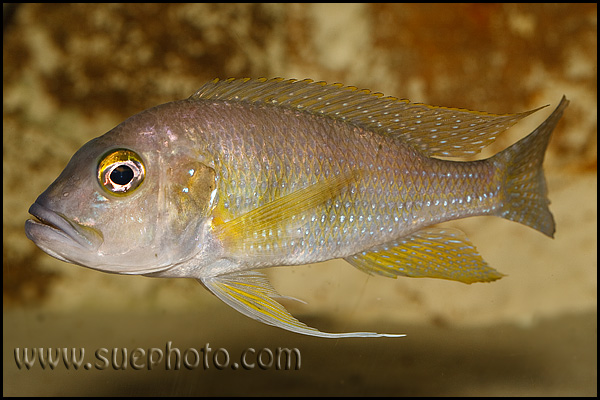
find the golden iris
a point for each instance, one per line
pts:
(121, 171)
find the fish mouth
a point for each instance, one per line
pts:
(60, 236)
(69, 241)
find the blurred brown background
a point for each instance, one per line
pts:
(72, 72)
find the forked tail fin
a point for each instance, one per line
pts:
(525, 194)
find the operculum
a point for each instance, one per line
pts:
(187, 199)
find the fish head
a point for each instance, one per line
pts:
(133, 201)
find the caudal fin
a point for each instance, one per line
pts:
(525, 198)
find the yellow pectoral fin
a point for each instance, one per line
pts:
(270, 223)
(251, 294)
(428, 253)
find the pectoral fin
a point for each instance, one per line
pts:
(428, 253)
(269, 225)
(251, 294)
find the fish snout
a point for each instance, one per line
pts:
(55, 233)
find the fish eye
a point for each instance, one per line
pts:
(121, 171)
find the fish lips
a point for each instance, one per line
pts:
(60, 236)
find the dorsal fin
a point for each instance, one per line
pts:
(435, 131)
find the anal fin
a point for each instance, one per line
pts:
(428, 253)
(250, 293)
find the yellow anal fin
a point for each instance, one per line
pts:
(270, 223)
(428, 253)
(251, 294)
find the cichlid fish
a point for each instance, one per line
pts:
(255, 173)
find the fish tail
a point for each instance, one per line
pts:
(525, 197)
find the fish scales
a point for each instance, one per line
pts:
(398, 191)
(257, 173)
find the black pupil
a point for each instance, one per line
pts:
(121, 175)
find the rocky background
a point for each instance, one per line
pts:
(72, 72)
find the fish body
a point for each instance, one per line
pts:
(249, 174)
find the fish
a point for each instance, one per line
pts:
(248, 174)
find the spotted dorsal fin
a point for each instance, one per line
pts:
(433, 130)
